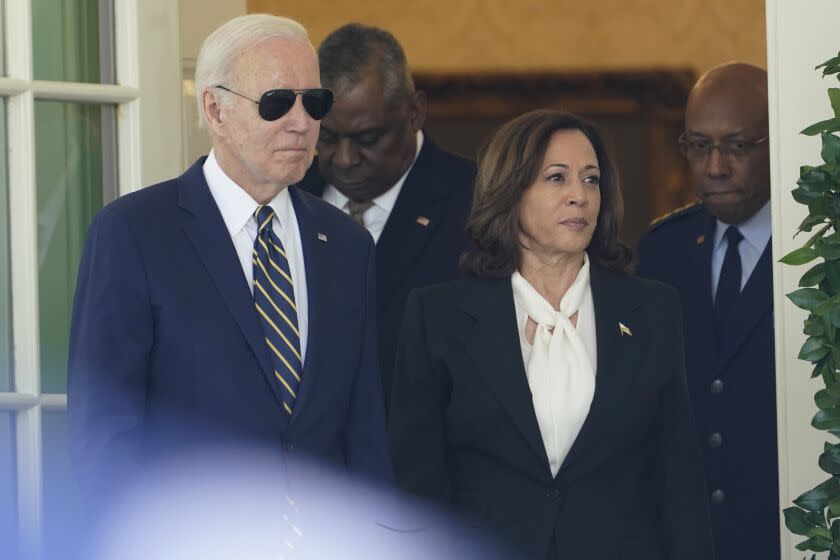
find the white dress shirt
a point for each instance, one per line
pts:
(237, 209)
(375, 216)
(756, 232)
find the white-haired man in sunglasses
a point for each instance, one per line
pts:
(223, 304)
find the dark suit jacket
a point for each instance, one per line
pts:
(464, 433)
(742, 406)
(409, 254)
(167, 351)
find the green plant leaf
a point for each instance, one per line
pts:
(826, 420)
(829, 461)
(834, 316)
(803, 196)
(834, 98)
(825, 401)
(815, 181)
(814, 349)
(807, 298)
(828, 125)
(816, 544)
(834, 509)
(829, 252)
(799, 256)
(820, 532)
(825, 308)
(814, 276)
(810, 221)
(833, 60)
(796, 521)
(816, 499)
(817, 370)
(832, 273)
(821, 543)
(830, 148)
(814, 327)
(822, 205)
(834, 390)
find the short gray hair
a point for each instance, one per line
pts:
(220, 50)
(349, 51)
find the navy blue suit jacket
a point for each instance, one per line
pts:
(167, 351)
(410, 253)
(741, 406)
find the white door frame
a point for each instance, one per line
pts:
(149, 136)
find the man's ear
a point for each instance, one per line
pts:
(212, 109)
(417, 110)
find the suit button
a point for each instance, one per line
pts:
(718, 496)
(717, 386)
(715, 440)
(554, 494)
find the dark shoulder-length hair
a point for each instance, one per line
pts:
(507, 165)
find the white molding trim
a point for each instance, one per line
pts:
(129, 145)
(17, 401)
(84, 93)
(24, 263)
(51, 402)
(13, 86)
(799, 37)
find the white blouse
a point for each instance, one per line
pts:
(562, 391)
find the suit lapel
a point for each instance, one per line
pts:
(413, 220)
(617, 353)
(205, 228)
(755, 301)
(315, 259)
(493, 344)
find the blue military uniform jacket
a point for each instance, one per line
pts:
(731, 381)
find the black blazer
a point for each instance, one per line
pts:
(731, 379)
(464, 432)
(412, 251)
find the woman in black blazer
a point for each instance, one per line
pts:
(544, 397)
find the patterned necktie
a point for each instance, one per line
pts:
(729, 283)
(274, 297)
(358, 209)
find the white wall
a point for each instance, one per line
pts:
(157, 76)
(198, 19)
(800, 35)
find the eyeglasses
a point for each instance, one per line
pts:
(275, 103)
(700, 148)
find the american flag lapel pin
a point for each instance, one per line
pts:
(322, 237)
(624, 329)
(423, 221)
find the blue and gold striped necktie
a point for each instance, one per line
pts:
(274, 296)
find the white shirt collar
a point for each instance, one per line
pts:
(756, 230)
(386, 200)
(236, 205)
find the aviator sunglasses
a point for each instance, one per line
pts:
(275, 103)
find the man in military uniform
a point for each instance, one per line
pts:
(717, 254)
